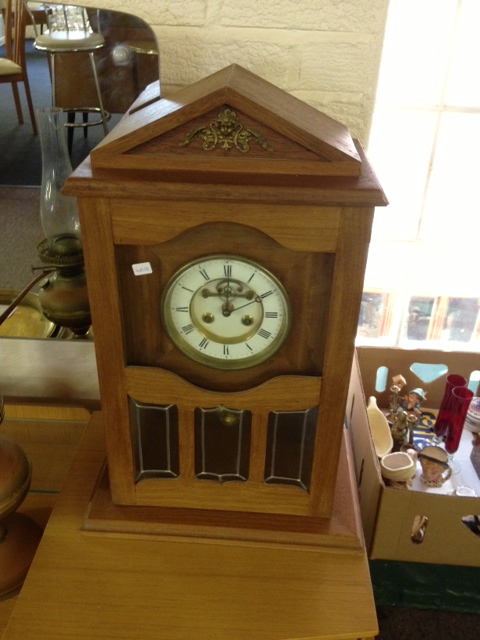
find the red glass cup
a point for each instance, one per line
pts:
(461, 400)
(461, 397)
(445, 412)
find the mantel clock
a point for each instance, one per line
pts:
(225, 234)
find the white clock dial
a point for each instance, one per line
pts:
(226, 312)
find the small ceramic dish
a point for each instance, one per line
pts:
(398, 466)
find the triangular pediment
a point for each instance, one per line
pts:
(234, 125)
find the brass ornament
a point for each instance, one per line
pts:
(227, 132)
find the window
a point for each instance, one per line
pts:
(422, 285)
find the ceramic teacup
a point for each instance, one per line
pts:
(435, 469)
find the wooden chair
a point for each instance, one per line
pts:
(13, 67)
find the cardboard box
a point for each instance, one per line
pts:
(391, 515)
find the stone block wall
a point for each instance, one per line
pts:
(325, 52)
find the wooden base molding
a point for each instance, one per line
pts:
(341, 531)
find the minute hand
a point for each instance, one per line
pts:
(256, 299)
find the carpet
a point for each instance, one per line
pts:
(20, 234)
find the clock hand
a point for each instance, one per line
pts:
(256, 299)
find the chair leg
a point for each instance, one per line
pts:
(30, 105)
(99, 94)
(18, 106)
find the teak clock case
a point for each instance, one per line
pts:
(168, 186)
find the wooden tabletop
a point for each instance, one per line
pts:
(105, 586)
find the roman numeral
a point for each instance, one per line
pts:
(266, 294)
(264, 334)
(227, 270)
(182, 309)
(226, 350)
(271, 314)
(203, 343)
(188, 328)
(204, 273)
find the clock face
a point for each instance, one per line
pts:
(226, 312)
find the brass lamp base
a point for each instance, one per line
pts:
(19, 534)
(22, 536)
(63, 295)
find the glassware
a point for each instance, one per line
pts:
(444, 413)
(461, 397)
(58, 213)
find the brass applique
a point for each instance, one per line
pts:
(227, 132)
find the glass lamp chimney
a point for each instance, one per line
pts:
(58, 213)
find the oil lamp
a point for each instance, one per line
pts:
(63, 294)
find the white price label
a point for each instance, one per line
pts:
(142, 268)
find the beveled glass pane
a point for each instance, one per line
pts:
(155, 440)
(461, 319)
(420, 315)
(290, 442)
(222, 444)
(449, 322)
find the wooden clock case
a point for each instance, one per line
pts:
(283, 185)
